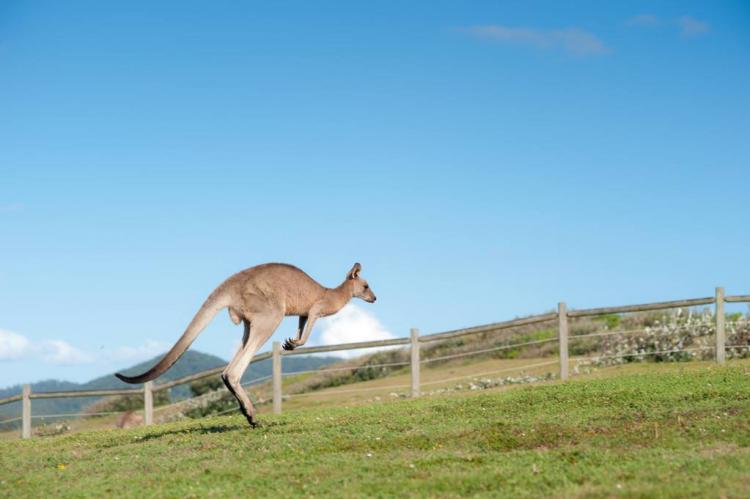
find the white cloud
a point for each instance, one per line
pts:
(149, 349)
(351, 324)
(643, 21)
(15, 346)
(571, 40)
(692, 27)
(688, 26)
(61, 352)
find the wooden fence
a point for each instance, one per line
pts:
(561, 316)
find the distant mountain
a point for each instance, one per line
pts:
(190, 363)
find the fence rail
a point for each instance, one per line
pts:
(561, 316)
(497, 326)
(346, 346)
(84, 393)
(8, 400)
(644, 307)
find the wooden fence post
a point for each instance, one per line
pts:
(415, 362)
(148, 403)
(720, 332)
(26, 412)
(276, 377)
(562, 331)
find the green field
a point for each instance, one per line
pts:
(673, 430)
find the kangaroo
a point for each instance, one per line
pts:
(260, 297)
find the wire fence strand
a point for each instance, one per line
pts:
(257, 380)
(351, 368)
(368, 389)
(76, 414)
(606, 333)
(235, 409)
(446, 380)
(178, 405)
(623, 332)
(486, 350)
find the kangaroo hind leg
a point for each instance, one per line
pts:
(256, 333)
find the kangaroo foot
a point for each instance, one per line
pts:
(250, 417)
(250, 420)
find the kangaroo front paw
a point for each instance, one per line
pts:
(289, 344)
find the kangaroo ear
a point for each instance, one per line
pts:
(354, 273)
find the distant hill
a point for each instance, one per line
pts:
(190, 363)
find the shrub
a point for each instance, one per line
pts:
(675, 337)
(205, 385)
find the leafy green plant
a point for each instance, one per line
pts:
(205, 385)
(611, 321)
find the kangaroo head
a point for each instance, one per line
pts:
(360, 288)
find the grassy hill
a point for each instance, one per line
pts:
(671, 430)
(191, 362)
(455, 364)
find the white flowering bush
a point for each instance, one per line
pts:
(680, 336)
(49, 430)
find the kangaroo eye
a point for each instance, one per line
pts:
(367, 286)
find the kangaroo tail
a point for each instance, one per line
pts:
(208, 310)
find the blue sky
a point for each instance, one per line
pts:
(483, 160)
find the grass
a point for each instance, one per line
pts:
(675, 431)
(432, 376)
(363, 392)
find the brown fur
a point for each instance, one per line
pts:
(260, 297)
